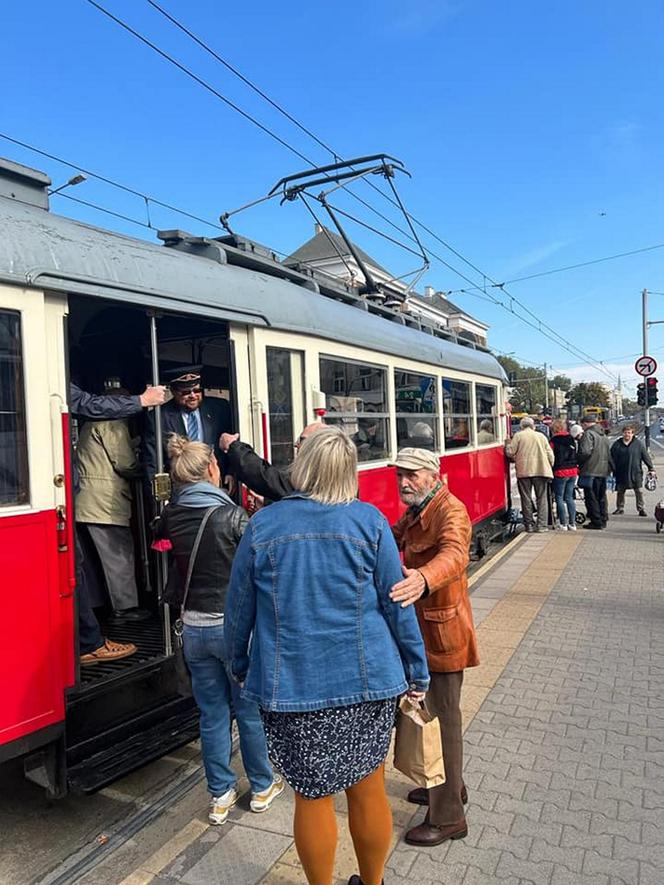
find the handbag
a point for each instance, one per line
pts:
(178, 626)
(418, 747)
(585, 482)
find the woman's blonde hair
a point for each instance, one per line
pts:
(557, 426)
(189, 460)
(326, 467)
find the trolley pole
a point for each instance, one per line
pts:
(646, 411)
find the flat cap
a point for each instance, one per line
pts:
(417, 459)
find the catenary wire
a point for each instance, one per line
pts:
(409, 217)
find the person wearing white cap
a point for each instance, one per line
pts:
(434, 536)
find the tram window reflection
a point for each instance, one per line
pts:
(416, 405)
(14, 479)
(457, 415)
(356, 399)
(485, 410)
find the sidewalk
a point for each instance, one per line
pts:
(564, 738)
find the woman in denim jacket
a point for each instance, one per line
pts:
(318, 644)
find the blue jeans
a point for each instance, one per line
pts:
(563, 489)
(215, 692)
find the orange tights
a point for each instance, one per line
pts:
(370, 822)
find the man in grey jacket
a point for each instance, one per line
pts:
(594, 467)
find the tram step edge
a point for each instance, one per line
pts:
(121, 758)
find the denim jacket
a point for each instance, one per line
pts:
(309, 619)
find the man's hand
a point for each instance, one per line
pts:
(153, 396)
(226, 440)
(410, 589)
(416, 696)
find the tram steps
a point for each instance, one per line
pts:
(119, 758)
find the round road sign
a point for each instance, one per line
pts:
(646, 365)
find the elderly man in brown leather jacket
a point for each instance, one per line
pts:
(434, 535)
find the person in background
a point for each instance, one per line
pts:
(107, 463)
(434, 536)
(317, 643)
(486, 434)
(594, 467)
(188, 414)
(628, 454)
(565, 472)
(576, 432)
(93, 647)
(195, 472)
(533, 459)
(263, 478)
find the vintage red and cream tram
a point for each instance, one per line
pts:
(282, 344)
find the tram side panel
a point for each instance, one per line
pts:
(36, 597)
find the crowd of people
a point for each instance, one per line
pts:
(579, 457)
(306, 622)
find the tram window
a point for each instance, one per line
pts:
(416, 406)
(457, 414)
(356, 399)
(14, 484)
(286, 399)
(485, 412)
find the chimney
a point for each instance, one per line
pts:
(18, 182)
(429, 291)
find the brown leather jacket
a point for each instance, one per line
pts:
(437, 543)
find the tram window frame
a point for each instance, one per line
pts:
(282, 450)
(483, 414)
(410, 418)
(14, 493)
(452, 416)
(358, 423)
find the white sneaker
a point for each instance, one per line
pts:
(261, 801)
(571, 528)
(561, 528)
(221, 805)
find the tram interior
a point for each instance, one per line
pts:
(112, 342)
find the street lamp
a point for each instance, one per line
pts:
(79, 178)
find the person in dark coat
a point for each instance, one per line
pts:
(628, 455)
(188, 414)
(565, 472)
(594, 467)
(255, 472)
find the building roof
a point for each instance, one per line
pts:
(319, 248)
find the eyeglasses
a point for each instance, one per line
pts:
(188, 391)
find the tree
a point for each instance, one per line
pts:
(560, 382)
(590, 394)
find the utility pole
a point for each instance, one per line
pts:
(646, 411)
(546, 390)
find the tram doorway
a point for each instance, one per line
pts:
(127, 344)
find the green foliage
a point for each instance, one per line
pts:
(528, 383)
(588, 394)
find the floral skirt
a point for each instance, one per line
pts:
(321, 752)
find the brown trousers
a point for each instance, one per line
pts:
(444, 701)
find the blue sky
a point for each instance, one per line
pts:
(534, 134)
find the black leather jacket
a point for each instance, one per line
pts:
(212, 569)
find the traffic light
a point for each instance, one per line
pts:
(651, 387)
(641, 394)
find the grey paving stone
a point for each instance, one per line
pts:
(514, 870)
(626, 871)
(239, 857)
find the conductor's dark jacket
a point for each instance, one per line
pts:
(216, 419)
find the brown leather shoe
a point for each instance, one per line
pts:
(109, 651)
(429, 835)
(420, 796)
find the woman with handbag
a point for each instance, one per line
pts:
(316, 641)
(204, 528)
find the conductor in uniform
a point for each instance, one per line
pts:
(190, 414)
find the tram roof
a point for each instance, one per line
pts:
(210, 278)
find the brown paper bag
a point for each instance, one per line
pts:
(418, 748)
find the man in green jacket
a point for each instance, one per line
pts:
(107, 463)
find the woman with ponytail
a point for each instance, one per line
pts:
(204, 527)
